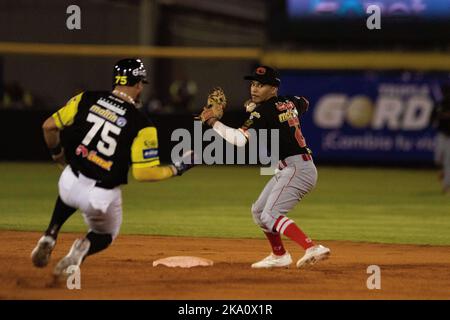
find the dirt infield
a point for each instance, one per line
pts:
(125, 271)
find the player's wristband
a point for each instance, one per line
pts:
(56, 150)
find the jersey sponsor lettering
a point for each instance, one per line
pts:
(111, 106)
(255, 114)
(93, 157)
(104, 113)
(289, 115)
(284, 105)
(281, 113)
(103, 135)
(150, 153)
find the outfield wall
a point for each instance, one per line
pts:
(367, 116)
(22, 140)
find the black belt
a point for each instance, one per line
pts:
(305, 156)
(99, 184)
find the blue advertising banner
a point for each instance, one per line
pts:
(368, 117)
(351, 9)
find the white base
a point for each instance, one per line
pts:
(183, 262)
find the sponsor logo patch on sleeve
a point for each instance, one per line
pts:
(150, 153)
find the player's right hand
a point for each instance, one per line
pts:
(187, 162)
(60, 159)
(249, 105)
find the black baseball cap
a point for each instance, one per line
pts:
(265, 75)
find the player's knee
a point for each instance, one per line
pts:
(267, 220)
(98, 242)
(256, 213)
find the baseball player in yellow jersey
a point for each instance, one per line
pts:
(96, 136)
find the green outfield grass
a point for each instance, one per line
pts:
(359, 204)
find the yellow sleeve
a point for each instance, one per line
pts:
(144, 151)
(64, 117)
(153, 173)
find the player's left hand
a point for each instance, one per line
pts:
(215, 106)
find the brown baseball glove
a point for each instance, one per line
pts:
(217, 101)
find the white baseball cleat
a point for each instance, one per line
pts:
(40, 256)
(273, 261)
(74, 258)
(313, 255)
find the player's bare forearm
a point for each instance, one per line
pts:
(53, 141)
(51, 133)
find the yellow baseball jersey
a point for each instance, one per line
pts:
(103, 135)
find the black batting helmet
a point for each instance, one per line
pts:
(128, 72)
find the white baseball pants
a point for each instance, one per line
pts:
(101, 208)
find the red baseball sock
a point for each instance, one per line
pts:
(275, 242)
(287, 227)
